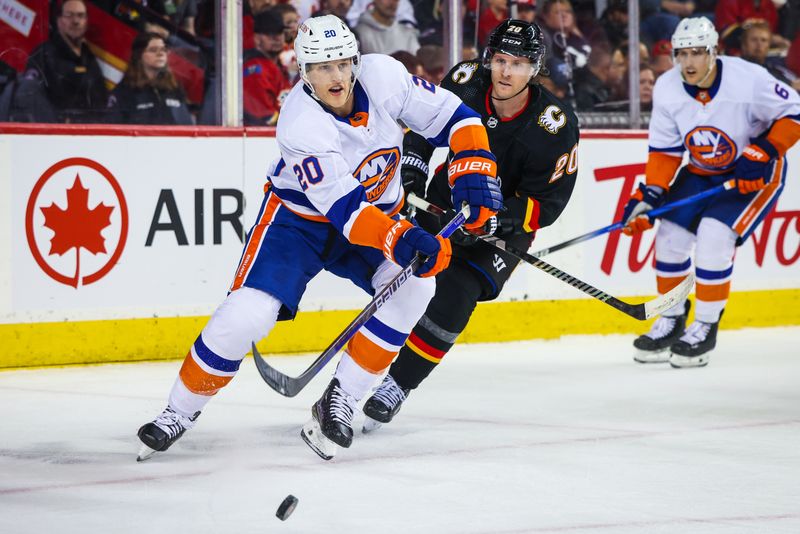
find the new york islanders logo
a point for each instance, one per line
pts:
(376, 171)
(710, 147)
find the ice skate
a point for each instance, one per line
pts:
(384, 404)
(654, 346)
(160, 434)
(331, 424)
(695, 345)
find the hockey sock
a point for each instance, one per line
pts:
(214, 358)
(457, 293)
(673, 263)
(716, 244)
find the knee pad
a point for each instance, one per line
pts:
(673, 242)
(716, 243)
(409, 301)
(247, 315)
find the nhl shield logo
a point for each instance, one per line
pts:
(492, 122)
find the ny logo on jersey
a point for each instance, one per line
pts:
(498, 263)
(710, 147)
(377, 170)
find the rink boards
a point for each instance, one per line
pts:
(116, 244)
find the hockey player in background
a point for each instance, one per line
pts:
(331, 204)
(736, 121)
(535, 139)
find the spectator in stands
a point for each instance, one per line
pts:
(661, 17)
(288, 58)
(265, 83)
(7, 77)
(411, 62)
(661, 57)
(647, 81)
(379, 31)
(526, 10)
(339, 8)
(730, 15)
(434, 62)
(613, 25)
(793, 57)
(67, 68)
(251, 9)
(496, 12)
(593, 82)
(181, 13)
(561, 35)
(148, 93)
(405, 12)
(756, 38)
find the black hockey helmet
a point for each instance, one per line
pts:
(517, 38)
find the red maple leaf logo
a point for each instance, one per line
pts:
(77, 226)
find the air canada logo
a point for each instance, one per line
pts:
(76, 222)
(710, 147)
(376, 171)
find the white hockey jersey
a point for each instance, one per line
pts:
(334, 167)
(716, 124)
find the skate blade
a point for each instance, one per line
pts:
(312, 435)
(370, 425)
(652, 356)
(681, 362)
(144, 453)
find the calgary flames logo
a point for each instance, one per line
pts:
(377, 170)
(64, 215)
(710, 147)
(552, 119)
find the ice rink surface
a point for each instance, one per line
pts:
(546, 436)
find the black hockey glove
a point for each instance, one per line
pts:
(510, 219)
(414, 174)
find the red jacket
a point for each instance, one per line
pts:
(264, 87)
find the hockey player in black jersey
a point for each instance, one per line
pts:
(535, 139)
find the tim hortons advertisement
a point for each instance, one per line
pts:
(104, 227)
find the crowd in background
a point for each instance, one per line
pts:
(167, 74)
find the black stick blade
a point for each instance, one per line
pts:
(278, 381)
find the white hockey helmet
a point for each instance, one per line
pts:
(325, 38)
(695, 32)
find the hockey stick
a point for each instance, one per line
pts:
(290, 386)
(642, 311)
(730, 184)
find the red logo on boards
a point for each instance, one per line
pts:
(76, 221)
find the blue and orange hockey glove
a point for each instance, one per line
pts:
(404, 241)
(646, 198)
(753, 167)
(473, 178)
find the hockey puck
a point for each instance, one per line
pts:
(286, 508)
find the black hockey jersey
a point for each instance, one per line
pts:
(536, 150)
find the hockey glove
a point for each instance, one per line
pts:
(467, 238)
(472, 176)
(414, 174)
(403, 242)
(645, 199)
(752, 170)
(509, 220)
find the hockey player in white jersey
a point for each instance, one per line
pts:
(736, 121)
(331, 203)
